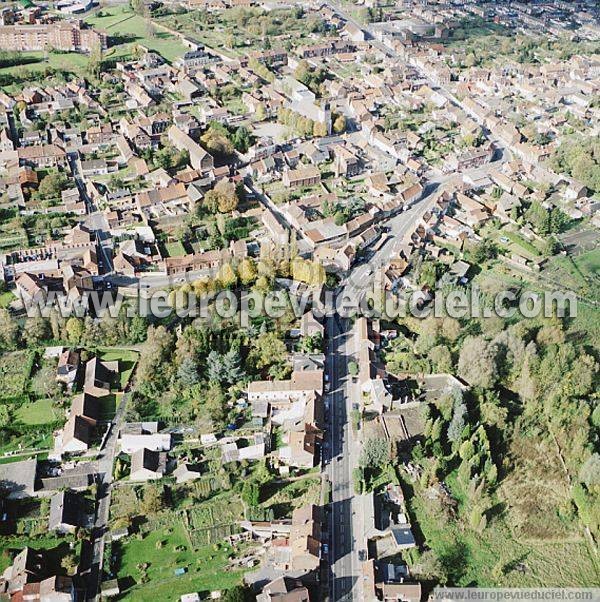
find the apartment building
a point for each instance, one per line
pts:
(68, 36)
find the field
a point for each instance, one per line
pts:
(166, 549)
(38, 412)
(126, 29)
(209, 523)
(37, 61)
(495, 557)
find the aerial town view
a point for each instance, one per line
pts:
(299, 300)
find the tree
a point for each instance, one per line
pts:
(459, 415)
(483, 251)
(590, 471)
(353, 368)
(339, 125)
(215, 403)
(260, 113)
(36, 330)
(374, 454)
(74, 330)
(222, 198)
(69, 563)
(428, 274)
(241, 139)
(5, 416)
(52, 185)
(95, 61)
(477, 362)
(251, 493)
(319, 129)
(153, 500)
(441, 359)
(154, 362)
(216, 140)
(247, 271)
(9, 329)
(188, 372)
(227, 276)
(224, 368)
(268, 350)
(235, 594)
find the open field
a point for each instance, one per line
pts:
(126, 29)
(284, 497)
(38, 61)
(496, 557)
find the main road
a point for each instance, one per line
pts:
(344, 580)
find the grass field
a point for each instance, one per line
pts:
(175, 249)
(166, 549)
(71, 61)
(495, 557)
(126, 29)
(41, 411)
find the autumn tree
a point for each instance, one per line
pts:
(477, 362)
(339, 125)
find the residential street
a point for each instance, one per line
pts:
(104, 482)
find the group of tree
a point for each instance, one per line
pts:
(302, 126)
(221, 141)
(311, 77)
(579, 157)
(546, 220)
(169, 158)
(309, 271)
(223, 198)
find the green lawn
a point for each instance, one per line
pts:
(523, 245)
(41, 411)
(6, 299)
(175, 249)
(206, 568)
(126, 28)
(73, 62)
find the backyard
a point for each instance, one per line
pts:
(150, 562)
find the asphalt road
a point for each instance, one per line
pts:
(104, 482)
(343, 552)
